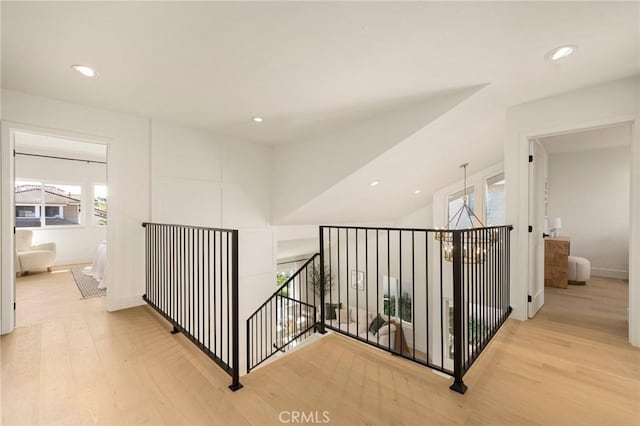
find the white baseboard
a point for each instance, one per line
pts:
(123, 303)
(610, 273)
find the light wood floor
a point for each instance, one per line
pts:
(43, 297)
(125, 368)
(600, 307)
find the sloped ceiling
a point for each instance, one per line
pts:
(306, 169)
(427, 160)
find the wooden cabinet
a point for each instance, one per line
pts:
(556, 262)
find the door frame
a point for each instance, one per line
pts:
(7, 213)
(524, 257)
(536, 271)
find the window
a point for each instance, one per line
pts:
(39, 204)
(495, 200)
(28, 196)
(394, 306)
(28, 211)
(455, 201)
(62, 204)
(282, 277)
(53, 212)
(100, 205)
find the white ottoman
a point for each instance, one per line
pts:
(579, 271)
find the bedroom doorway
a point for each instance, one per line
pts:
(60, 218)
(579, 244)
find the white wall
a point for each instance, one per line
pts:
(608, 103)
(421, 218)
(74, 244)
(589, 190)
(127, 139)
(208, 180)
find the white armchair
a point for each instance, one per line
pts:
(30, 257)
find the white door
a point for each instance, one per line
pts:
(537, 219)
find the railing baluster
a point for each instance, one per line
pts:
(443, 332)
(221, 264)
(426, 293)
(357, 287)
(388, 290)
(366, 276)
(378, 281)
(458, 314)
(179, 284)
(480, 283)
(322, 280)
(339, 310)
(348, 279)
(399, 295)
(413, 292)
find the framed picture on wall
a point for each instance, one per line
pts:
(357, 279)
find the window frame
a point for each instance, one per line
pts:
(91, 203)
(386, 283)
(470, 190)
(478, 183)
(43, 205)
(486, 180)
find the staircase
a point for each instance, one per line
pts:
(287, 317)
(434, 297)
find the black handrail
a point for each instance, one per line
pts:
(192, 281)
(287, 282)
(441, 294)
(289, 315)
(486, 288)
(144, 224)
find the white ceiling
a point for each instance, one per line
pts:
(36, 143)
(601, 138)
(305, 66)
(310, 67)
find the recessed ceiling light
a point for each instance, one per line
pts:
(417, 191)
(374, 183)
(84, 70)
(258, 119)
(561, 52)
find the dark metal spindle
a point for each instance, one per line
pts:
(413, 292)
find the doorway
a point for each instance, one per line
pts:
(60, 217)
(579, 210)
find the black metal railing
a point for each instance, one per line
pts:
(287, 317)
(192, 281)
(481, 271)
(411, 291)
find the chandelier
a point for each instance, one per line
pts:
(474, 244)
